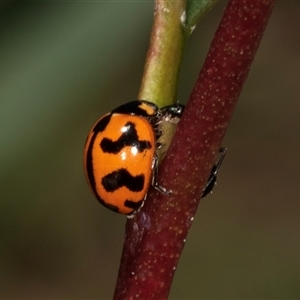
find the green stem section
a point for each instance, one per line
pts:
(159, 82)
(195, 10)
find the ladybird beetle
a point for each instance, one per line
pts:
(120, 154)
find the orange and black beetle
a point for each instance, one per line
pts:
(120, 158)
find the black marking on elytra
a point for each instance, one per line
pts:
(103, 122)
(89, 164)
(120, 178)
(133, 108)
(128, 138)
(108, 205)
(132, 204)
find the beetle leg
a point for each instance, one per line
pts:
(213, 174)
(155, 184)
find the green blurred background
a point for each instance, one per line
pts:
(63, 65)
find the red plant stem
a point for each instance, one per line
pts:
(156, 235)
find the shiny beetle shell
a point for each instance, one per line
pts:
(119, 156)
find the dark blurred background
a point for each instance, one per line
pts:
(63, 65)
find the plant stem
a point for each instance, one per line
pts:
(159, 83)
(156, 235)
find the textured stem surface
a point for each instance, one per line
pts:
(156, 235)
